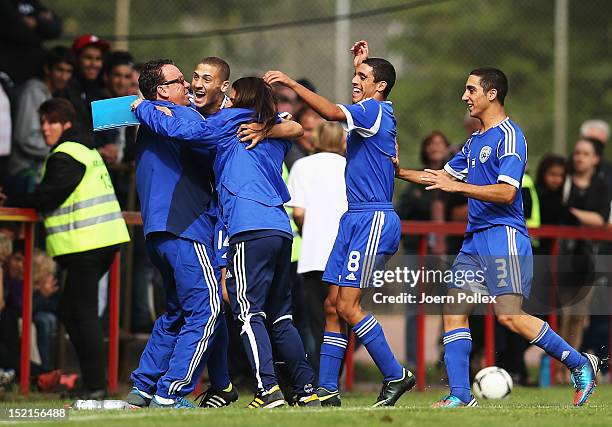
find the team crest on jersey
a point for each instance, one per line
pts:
(484, 154)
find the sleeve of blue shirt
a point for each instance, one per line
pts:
(364, 117)
(458, 165)
(201, 133)
(512, 153)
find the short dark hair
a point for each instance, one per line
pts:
(58, 54)
(383, 71)
(57, 110)
(116, 58)
(221, 65)
(152, 76)
(492, 78)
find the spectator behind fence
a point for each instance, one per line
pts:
(44, 307)
(84, 227)
(6, 248)
(416, 204)
(318, 197)
(86, 84)
(25, 25)
(6, 122)
(599, 130)
(118, 71)
(550, 177)
(586, 200)
(304, 146)
(29, 148)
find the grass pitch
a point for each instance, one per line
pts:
(524, 407)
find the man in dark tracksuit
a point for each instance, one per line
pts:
(176, 193)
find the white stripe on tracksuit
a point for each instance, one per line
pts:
(209, 328)
(378, 221)
(243, 302)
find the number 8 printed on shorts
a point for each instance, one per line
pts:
(353, 261)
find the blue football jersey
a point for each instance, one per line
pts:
(370, 145)
(498, 155)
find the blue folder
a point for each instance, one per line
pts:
(113, 113)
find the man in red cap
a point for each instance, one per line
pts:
(86, 84)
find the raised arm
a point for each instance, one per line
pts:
(327, 109)
(200, 133)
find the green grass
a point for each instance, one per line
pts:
(525, 407)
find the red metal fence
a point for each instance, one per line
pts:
(421, 228)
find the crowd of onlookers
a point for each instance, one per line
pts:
(573, 191)
(30, 75)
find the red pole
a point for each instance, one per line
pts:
(553, 320)
(349, 379)
(489, 337)
(113, 333)
(26, 314)
(420, 349)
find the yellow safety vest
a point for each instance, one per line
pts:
(297, 239)
(534, 217)
(90, 218)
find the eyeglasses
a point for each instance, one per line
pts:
(179, 80)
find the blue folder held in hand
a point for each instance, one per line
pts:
(113, 113)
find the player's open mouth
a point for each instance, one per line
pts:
(356, 91)
(199, 94)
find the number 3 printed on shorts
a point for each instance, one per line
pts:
(353, 262)
(502, 272)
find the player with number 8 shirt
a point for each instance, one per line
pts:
(369, 232)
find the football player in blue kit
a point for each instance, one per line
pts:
(369, 232)
(489, 170)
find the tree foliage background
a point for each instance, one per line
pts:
(433, 46)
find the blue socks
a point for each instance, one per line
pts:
(457, 349)
(373, 338)
(332, 354)
(549, 341)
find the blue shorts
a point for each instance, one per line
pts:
(368, 235)
(494, 261)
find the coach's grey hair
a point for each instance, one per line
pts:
(596, 124)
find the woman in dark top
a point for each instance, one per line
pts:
(549, 185)
(587, 203)
(415, 203)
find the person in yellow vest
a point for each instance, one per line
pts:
(531, 203)
(84, 227)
